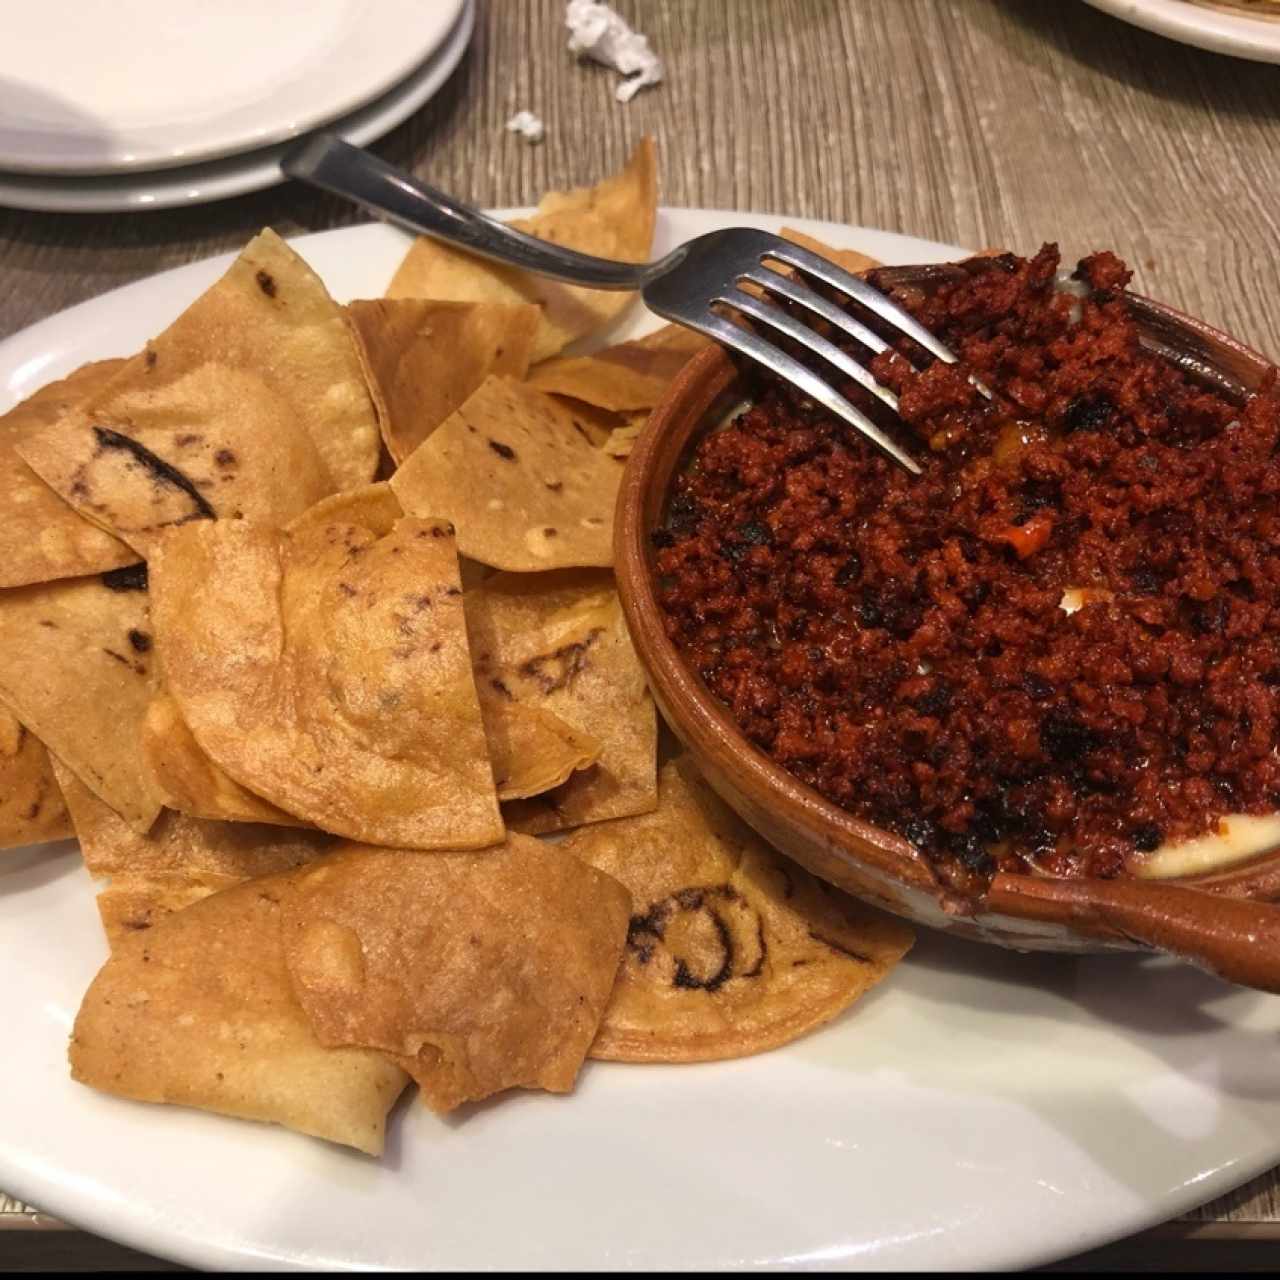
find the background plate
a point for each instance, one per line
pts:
(138, 84)
(1219, 30)
(981, 1109)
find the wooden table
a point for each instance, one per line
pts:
(976, 122)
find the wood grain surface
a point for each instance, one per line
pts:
(977, 122)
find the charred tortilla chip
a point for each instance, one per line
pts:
(526, 490)
(179, 845)
(732, 949)
(477, 972)
(31, 806)
(632, 375)
(614, 219)
(850, 259)
(558, 642)
(198, 1011)
(424, 358)
(77, 668)
(530, 749)
(326, 668)
(41, 537)
(189, 781)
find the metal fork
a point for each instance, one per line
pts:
(691, 286)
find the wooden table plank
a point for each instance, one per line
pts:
(976, 122)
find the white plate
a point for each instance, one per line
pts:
(141, 84)
(980, 1110)
(1219, 30)
(236, 175)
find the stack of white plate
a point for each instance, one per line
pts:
(148, 104)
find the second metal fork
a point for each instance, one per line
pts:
(692, 286)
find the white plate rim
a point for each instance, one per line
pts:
(242, 174)
(382, 42)
(359, 260)
(1217, 30)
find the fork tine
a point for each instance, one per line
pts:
(772, 315)
(859, 290)
(776, 282)
(756, 348)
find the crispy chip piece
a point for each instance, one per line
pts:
(326, 668)
(76, 668)
(850, 259)
(179, 845)
(41, 537)
(198, 1010)
(189, 781)
(252, 403)
(526, 491)
(614, 219)
(424, 358)
(131, 904)
(558, 642)
(530, 749)
(732, 949)
(478, 972)
(31, 806)
(631, 375)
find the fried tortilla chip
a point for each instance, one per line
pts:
(198, 1011)
(525, 489)
(252, 403)
(131, 904)
(189, 781)
(614, 219)
(732, 948)
(477, 972)
(622, 439)
(179, 845)
(424, 358)
(632, 375)
(558, 642)
(530, 749)
(850, 259)
(326, 668)
(76, 668)
(41, 537)
(31, 806)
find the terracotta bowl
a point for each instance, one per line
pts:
(1222, 922)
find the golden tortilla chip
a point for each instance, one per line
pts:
(31, 806)
(530, 749)
(526, 491)
(622, 439)
(850, 259)
(326, 668)
(632, 375)
(131, 904)
(41, 537)
(179, 845)
(198, 1011)
(189, 781)
(558, 642)
(423, 358)
(732, 949)
(614, 219)
(76, 668)
(478, 972)
(252, 403)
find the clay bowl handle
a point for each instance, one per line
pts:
(1235, 938)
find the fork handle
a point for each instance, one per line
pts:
(326, 161)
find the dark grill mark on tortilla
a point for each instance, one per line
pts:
(161, 471)
(550, 532)
(571, 659)
(266, 283)
(225, 458)
(140, 640)
(119, 657)
(133, 577)
(187, 439)
(555, 485)
(840, 947)
(502, 450)
(684, 978)
(644, 932)
(758, 968)
(45, 622)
